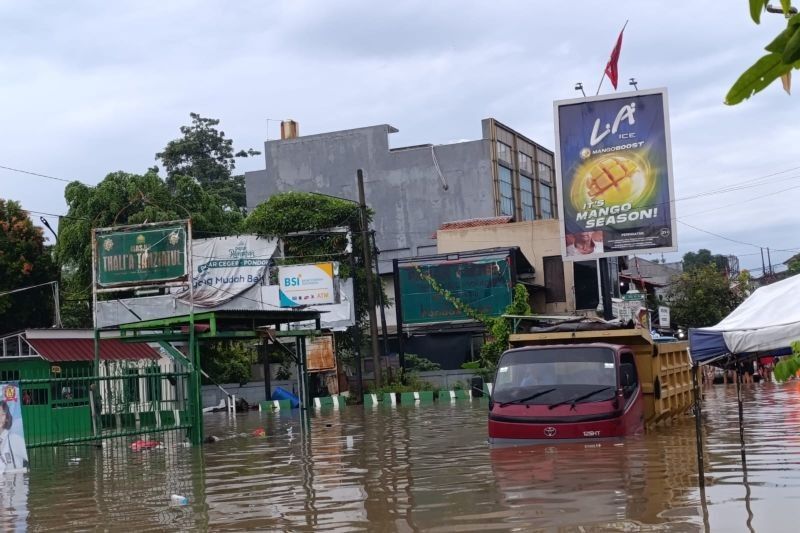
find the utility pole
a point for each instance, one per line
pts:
(769, 259)
(373, 321)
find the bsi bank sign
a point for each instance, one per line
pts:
(313, 284)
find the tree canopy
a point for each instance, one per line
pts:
(703, 257)
(291, 212)
(702, 296)
(24, 261)
(123, 198)
(205, 154)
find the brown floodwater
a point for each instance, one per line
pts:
(425, 468)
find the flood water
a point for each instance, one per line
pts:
(425, 468)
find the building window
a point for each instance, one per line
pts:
(504, 152)
(554, 279)
(506, 191)
(526, 191)
(9, 375)
(546, 200)
(525, 162)
(34, 396)
(545, 172)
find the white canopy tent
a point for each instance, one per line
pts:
(767, 321)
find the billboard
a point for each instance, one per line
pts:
(140, 256)
(485, 284)
(225, 267)
(614, 170)
(13, 454)
(307, 284)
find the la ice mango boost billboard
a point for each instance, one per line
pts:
(614, 168)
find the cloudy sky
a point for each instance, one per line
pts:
(93, 87)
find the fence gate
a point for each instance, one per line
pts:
(71, 403)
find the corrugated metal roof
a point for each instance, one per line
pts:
(474, 223)
(62, 350)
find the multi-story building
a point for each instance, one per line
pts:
(413, 190)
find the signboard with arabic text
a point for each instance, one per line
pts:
(140, 256)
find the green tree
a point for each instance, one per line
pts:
(228, 361)
(123, 198)
(702, 297)
(24, 261)
(291, 212)
(783, 56)
(205, 154)
(793, 264)
(703, 257)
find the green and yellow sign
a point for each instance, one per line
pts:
(141, 257)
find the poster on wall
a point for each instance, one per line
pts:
(614, 169)
(13, 454)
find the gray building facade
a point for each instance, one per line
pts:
(414, 189)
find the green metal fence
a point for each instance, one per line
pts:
(71, 403)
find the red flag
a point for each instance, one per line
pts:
(611, 67)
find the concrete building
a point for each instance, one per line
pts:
(552, 287)
(413, 189)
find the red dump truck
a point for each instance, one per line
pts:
(585, 385)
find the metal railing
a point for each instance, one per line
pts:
(68, 403)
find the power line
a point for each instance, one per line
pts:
(30, 173)
(720, 236)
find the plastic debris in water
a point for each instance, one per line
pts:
(259, 432)
(141, 445)
(177, 499)
(349, 441)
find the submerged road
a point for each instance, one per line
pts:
(424, 468)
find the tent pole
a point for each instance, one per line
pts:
(747, 496)
(701, 477)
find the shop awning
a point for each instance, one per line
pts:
(65, 350)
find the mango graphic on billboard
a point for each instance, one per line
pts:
(613, 164)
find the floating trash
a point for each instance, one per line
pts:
(141, 445)
(177, 499)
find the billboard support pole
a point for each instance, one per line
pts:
(605, 289)
(398, 307)
(381, 302)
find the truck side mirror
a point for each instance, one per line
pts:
(626, 375)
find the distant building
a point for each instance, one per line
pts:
(650, 276)
(413, 189)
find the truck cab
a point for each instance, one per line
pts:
(566, 392)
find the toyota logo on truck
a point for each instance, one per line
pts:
(549, 431)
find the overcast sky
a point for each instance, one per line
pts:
(93, 87)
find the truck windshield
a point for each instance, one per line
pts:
(570, 370)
